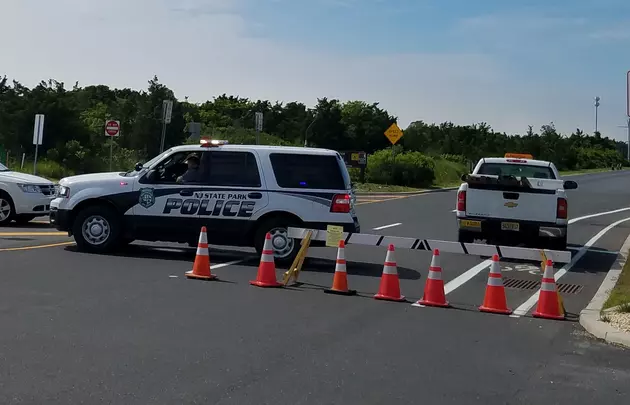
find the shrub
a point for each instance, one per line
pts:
(448, 173)
(412, 169)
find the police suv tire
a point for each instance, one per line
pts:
(4, 196)
(99, 215)
(275, 224)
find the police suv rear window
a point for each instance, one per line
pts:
(307, 171)
(238, 169)
(516, 170)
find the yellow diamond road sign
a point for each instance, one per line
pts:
(394, 133)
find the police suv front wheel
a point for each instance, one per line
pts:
(96, 229)
(285, 249)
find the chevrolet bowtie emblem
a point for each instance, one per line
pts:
(510, 204)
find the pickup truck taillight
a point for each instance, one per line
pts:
(562, 208)
(461, 201)
(340, 203)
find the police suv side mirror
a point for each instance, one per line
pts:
(464, 177)
(570, 185)
(138, 166)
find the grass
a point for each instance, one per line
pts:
(584, 171)
(620, 295)
(372, 187)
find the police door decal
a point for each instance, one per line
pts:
(212, 204)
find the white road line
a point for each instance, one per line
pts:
(218, 266)
(598, 214)
(465, 277)
(386, 226)
(472, 272)
(527, 305)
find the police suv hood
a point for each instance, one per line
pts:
(18, 177)
(92, 179)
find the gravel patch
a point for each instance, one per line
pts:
(620, 320)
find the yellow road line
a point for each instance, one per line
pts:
(389, 199)
(40, 222)
(33, 234)
(36, 246)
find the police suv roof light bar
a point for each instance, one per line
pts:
(209, 143)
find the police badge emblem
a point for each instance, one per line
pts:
(146, 199)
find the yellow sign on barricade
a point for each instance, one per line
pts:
(334, 234)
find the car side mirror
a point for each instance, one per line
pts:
(570, 185)
(138, 166)
(464, 177)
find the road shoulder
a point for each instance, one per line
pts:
(590, 317)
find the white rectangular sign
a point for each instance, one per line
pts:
(168, 111)
(38, 129)
(628, 93)
(259, 122)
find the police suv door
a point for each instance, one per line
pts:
(231, 195)
(159, 213)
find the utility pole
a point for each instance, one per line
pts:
(309, 127)
(596, 108)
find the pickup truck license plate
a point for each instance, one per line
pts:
(467, 223)
(510, 226)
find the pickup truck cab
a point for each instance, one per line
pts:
(514, 200)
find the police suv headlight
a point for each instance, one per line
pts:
(63, 191)
(29, 188)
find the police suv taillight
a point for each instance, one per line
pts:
(340, 203)
(461, 200)
(562, 208)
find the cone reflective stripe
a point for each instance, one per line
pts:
(389, 288)
(434, 287)
(201, 266)
(548, 299)
(340, 279)
(266, 276)
(495, 300)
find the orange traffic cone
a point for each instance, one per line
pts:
(340, 280)
(549, 300)
(495, 300)
(267, 269)
(201, 266)
(434, 287)
(390, 284)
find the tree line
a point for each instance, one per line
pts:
(74, 140)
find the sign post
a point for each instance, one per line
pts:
(167, 113)
(628, 109)
(258, 125)
(38, 137)
(112, 130)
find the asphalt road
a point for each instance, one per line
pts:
(131, 329)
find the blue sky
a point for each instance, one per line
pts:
(507, 63)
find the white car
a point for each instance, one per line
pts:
(514, 200)
(23, 196)
(241, 192)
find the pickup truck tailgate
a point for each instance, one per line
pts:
(533, 201)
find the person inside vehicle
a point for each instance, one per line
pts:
(192, 174)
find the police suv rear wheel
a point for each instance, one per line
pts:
(285, 249)
(96, 229)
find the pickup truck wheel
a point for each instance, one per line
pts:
(465, 236)
(558, 244)
(96, 229)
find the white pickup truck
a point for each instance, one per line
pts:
(514, 200)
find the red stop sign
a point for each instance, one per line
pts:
(112, 128)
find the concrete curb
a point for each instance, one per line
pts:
(377, 193)
(590, 317)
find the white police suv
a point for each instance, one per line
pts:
(239, 192)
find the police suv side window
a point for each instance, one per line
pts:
(231, 169)
(307, 171)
